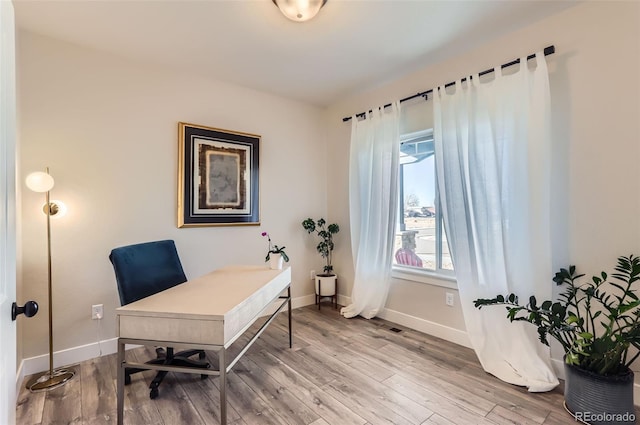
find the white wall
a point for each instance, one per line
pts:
(108, 129)
(596, 134)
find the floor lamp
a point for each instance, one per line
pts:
(43, 182)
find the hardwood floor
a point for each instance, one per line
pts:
(339, 372)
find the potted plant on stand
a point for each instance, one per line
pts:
(595, 323)
(325, 282)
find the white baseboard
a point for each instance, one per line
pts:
(431, 328)
(81, 353)
(422, 325)
(69, 356)
(295, 303)
(343, 300)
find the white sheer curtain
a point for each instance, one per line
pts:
(373, 198)
(493, 156)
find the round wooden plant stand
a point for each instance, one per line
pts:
(327, 287)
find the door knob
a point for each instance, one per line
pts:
(30, 308)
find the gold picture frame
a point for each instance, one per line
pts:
(218, 177)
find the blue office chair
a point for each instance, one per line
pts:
(145, 269)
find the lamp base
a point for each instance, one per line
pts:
(48, 381)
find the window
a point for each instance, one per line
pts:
(420, 242)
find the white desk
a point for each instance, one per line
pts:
(209, 312)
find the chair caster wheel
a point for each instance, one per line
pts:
(202, 355)
(127, 379)
(203, 376)
(153, 393)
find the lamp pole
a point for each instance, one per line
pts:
(49, 280)
(52, 378)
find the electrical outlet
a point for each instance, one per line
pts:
(313, 275)
(449, 298)
(97, 312)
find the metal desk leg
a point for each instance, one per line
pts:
(120, 383)
(222, 367)
(289, 308)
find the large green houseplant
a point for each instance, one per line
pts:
(326, 283)
(325, 246)
(596, 323)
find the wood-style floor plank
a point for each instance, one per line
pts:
(383, 403)
(503, 416)
(282, 399)
(476, 381)
(62, 405)
(98, 390)
(136, 395)
(30, 407)
(176, 407)
(432, 377)
(252, 409)
(563, 418)
(329, 408)
(339, 372)
(436, 419)
(435, 402)
(205, 397)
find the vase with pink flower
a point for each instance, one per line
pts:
(275, 254)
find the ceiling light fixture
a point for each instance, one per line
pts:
(299, 10)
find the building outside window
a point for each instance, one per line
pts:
(420, 241)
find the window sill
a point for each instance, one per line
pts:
(430, 278)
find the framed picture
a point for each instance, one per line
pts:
(218, 175)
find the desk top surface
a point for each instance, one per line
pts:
(213, 296)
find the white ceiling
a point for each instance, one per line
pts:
(350, 46)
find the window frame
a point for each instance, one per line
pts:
(438, 277)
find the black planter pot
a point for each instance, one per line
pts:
(599, 400)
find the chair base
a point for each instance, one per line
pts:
(169, 358)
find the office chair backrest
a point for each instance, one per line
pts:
(145, 269)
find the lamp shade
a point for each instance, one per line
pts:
(299, 10)
(39, 181)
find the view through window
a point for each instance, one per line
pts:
(420, 241)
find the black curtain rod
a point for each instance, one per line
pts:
(547, 51)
